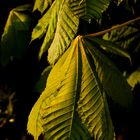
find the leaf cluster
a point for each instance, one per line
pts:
(75, 87)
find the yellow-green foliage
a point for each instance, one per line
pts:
(73, 104)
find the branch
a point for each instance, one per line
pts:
(112, 28)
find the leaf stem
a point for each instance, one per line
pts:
(112, 28)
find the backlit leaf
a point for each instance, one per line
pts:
(50, 33)
(62, 21)
(42, 5)
(72, 89)
(54, 113)
(67, 27)
(42, 26)
(60, 26)
(92, 105)
(134, 78)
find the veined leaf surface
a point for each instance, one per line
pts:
(92, 104)
(109, 46)
(56, 107)
(42, 5)
(68, 21)
(113, 82)
(51, 29)
(89, 9)
(66, 30)
(60, 26)
(60, 111)
(63, 24)
(126, 37)
(42, 25)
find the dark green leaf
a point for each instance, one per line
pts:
(41, 84)
(89, 9)
(113, 82)
(16, 36)
(42, 26)
(126, 37)
(110, 46)
(52, 24)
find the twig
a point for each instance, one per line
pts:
(112, 28)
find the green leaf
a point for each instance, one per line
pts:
(92, 104)
(60, 23)
(54, 114)
(72, 90)
(112, 80)
(50, 33)
(126, 37)
(89, 9)
(66, 29)
(42, 25)
(42, 5)
(41, 84)
(134, 78)
(60, 26)
(110, 46)
(17, 30)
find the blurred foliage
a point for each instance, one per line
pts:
(18, 22)
(7, 99)
(134, 78)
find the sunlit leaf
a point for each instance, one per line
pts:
(92, 104)
(60, 23)
(89, 9)
(51, 30)
(134, 78)
(42, 5)
(17, 30)
(67, 27)
(54, 114)
(42, 25)
(72, 89)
